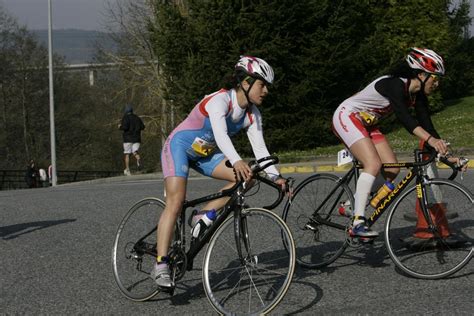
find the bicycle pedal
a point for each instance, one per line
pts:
(310, 226)
(363, 239)
(359, 241)
(366, 240)
(352, 242)
(168, 290)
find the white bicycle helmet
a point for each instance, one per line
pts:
(256, 68)
(425, 60)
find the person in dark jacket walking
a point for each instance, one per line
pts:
(132, 127)
(32, 175)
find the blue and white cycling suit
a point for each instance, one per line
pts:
(202, 140)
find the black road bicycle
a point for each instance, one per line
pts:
(317, 215)
(249, 260)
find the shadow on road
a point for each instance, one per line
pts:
(16, 230)
(313, 293)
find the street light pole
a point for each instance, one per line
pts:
(54, 177)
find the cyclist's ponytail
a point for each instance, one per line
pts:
(233, 81)
(403, 70)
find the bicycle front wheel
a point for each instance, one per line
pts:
(424, 252)
(134, 250)
(313, 216)
(254, 281)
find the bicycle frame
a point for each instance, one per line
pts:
(241, 263)
(235, 204)
(199, 244)
(415, 171)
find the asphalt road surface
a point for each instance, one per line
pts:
(55, 246)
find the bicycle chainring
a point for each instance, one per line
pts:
(178, 262)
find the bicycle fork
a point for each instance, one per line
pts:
(422, 197)
(241, 233)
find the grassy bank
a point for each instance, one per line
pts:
(454, 123)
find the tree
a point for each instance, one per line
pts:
(322, 52)
(83, 140)
(460, 60)
(139, 80)
(24, 91)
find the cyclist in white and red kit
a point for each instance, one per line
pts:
(356, 120)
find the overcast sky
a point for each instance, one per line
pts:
(78, 14)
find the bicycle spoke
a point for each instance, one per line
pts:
(216, 286)
(132, 260)
(415, 247)
(237, 285)
(320, 238)
(261, 276)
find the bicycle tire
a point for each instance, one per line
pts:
(318, 244)
(421, 252)
(257, 284)
(131, 265)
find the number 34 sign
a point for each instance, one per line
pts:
(344, 156)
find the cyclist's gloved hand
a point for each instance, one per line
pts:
(438, 144)
(242, 171)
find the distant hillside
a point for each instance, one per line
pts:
(77, 46)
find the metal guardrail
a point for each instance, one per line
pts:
(15, 179)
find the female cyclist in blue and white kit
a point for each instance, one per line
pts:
(202, 142)
(355, 122)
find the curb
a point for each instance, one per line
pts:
(326, 164)
(284, 168)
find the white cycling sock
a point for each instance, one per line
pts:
(364, 185)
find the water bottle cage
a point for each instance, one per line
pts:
(199, 229)
(203, 223)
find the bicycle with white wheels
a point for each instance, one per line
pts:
(429, 231)
(248, 263)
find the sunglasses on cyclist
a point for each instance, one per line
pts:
(435, 77)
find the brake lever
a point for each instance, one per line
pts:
(289, 184)
(462, 162)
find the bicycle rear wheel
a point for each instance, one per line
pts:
(134, 250)
(313, 216)
(255, 282)
(422, 252)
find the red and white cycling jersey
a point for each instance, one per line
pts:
(370, 101)
(357, 116)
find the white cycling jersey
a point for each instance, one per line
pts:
(357, 116)
(370, 101)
